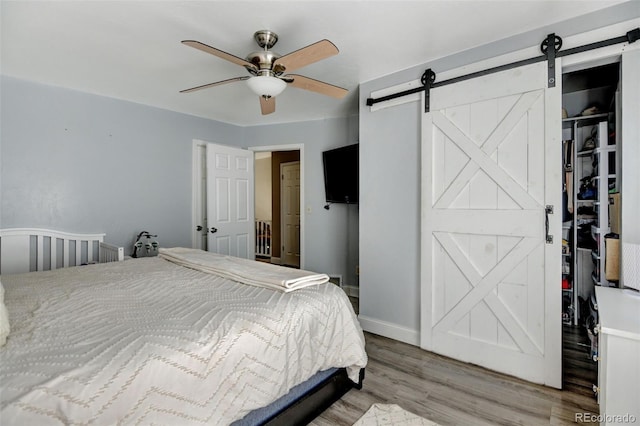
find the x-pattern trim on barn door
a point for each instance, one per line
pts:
(480, 157)
(483, 287)
(472, 221)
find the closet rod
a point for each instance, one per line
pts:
(428, 83)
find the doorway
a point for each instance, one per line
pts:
(269, 201)
(266, 225)
(592, 170)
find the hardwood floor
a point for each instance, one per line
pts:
(580, 371)
(450, 392)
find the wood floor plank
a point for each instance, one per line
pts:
(450, 392)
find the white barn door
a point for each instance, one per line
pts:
(230, 203)
(491, 162)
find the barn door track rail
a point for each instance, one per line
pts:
(550, 48)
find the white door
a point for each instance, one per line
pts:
(491, 162)
(290, 213)
(230, 208)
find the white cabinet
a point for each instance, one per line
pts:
(619, 355)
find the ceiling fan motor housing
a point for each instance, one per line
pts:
(264, 60)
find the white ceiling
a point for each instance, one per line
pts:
(131, 50)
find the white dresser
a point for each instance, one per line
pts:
(619, 356)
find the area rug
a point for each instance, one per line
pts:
(391, 415)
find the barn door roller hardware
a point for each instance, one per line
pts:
(550, 48)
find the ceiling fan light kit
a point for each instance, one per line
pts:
(266, 86)
(268, 69)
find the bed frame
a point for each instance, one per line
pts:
(311, 404)
(34, 249)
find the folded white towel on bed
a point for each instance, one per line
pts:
(246, 271)
(4, 318)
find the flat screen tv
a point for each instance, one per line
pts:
(341, 174)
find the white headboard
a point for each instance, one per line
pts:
(32, 249)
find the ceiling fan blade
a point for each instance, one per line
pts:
(217, 83)
(219, 53)
(307, 55)
(267, 105)
(306, 83)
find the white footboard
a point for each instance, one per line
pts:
(31, 249)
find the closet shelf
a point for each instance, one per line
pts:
(595, 230)
(588, 264)
(583, 120)
(606, 148)
(587, 118)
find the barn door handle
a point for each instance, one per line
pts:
(214, 230)
(547, 211)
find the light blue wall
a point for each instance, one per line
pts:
(85, 163)
(390, 181)
(630, 193)
(327, 232)
(390, 215)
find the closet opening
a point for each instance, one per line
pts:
(590, 212)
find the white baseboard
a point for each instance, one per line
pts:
(390, 330)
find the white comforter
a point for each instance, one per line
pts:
(148, 341)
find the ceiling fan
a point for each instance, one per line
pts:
(267, 69)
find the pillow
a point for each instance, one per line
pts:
(4, 318)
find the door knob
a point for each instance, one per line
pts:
(198, 228)
(214, 230)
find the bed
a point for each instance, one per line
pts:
(164, 341)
